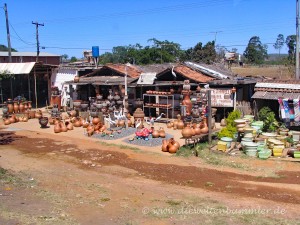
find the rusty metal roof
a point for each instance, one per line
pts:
(132, 71)
(192, 74)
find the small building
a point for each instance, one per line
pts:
(24, 57)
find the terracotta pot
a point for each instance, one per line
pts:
(29, 105)
(10, 107)
(223, 122)
(187, 132)
(77, 123)
(38, 114)
(57, 128)
(31, 114)
(155, 134)
(6, 122)
(97, 127)
(129, 123)
(180, 125)
(69, 125)
(197, 129)
(63, 127)
(204, 130)
(121, 123)
(103, 128)
(25, 119)
(164, 146)
(73, 113)
(193, 131)
(16, 107)
(169, 125)
(188, 103)
(12, 119)
(25, 106)
(51, 121)
(162, 132)
(96, 120)
(21, 107)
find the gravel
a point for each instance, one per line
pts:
(151, 142)
(116, 135)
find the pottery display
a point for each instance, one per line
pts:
(10, 106)
(21, 107)
(155, 134)
(16, 107)
(187, 103)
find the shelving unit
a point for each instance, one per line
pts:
(158, 102)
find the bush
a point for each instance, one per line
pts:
(268, 116)
(230, 128)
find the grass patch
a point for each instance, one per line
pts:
(119, 146)
(7, 177)
(173, 202)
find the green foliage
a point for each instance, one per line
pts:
(268, 116)
(279, 42)
(230, 128)
(256, 52)
(235, 114)
(4, 48)
(290, 41)
(73, 59)
(5, 74)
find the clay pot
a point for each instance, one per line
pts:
(96, 120)
(43, 121)
(25, 106)
(155, 134)
(193, 131)
(10, 107)
(180, 125)
(16, 107)
(29, 105)
(121, 123)
(38, 114)
(25, 119)
(12, 119)
(188, 103)
(164, 146)
(169, 125)
(173, 145)
(129, 123)
(63, 127)
(51, 121)
(223, 122)
(57, 128)
(73, 113)
(77, 123)
(204, 130)
(21, 107)
(162, 132)
(69, 125)
(31, 114)
(103, 128)
(187, 132)
(6, 122)
(197, 129)
(97, 127)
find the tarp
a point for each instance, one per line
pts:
(146, 78)
(16, 68)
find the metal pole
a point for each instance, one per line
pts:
(297, 40)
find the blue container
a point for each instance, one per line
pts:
(95, 51)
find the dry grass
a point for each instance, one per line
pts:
(279, 72)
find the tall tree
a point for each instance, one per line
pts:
(255, 51)
(290, 41)
(279, 43)
(4, 48)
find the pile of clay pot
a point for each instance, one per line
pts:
(21, 117)
(190, 129)
(170, 146)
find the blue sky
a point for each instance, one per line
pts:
(74, 25)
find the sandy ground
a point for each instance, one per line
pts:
(69, 178)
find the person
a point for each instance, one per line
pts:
(65, 97)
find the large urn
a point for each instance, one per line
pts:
(187, 103)
(43, 121)
(139, 115)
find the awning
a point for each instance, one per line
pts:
(270, 95)
(102, 80)
(146, 78)
(17, 68)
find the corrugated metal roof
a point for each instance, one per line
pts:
(17, 68)
(275, 95)
(277, 85)
(146, 78)
(33, 54)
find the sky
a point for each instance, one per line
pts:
(72, 26)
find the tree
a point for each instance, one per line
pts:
(206, 54)
(3, 48)
(64, 57)
(255, 52)
(279, 43)
(73, 59)
(291, 44)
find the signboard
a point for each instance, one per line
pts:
(221, 98)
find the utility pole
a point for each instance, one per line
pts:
(8, 34)
(297, 40)
(216, 32)
(37, 39)
(9, 47)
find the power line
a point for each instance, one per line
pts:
(25, 42)
(37, 39)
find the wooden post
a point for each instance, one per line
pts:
(209, 116)
(35, 89)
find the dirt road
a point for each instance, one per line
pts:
(51, 179)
